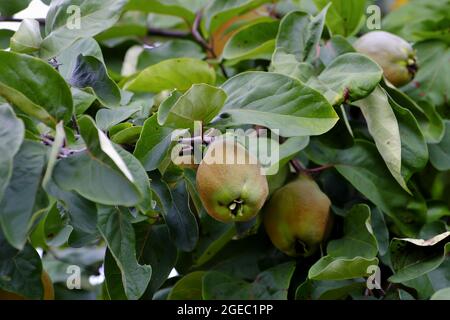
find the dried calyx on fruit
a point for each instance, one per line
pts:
(395, 55)
(230, 183)
(297, 218)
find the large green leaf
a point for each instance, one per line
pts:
(256, 41)
(350, 77)
(440, 153)
(34, 87)
(271, 284)
(90, 73)
(201, 102)
(432, 81)
(180, 73)
(276, 101)
(412, 258)
(364, 168)
(20, 271)
(344, 17)
(17, 205)
(220, 11)
(115, 226)
(384, 128)
(99, 174)
(174, 205)
(11, 137)
(60, 25)
(350, 256)
(154, 247)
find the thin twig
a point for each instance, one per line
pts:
(11, 19)
(168, 33)
(75, 124)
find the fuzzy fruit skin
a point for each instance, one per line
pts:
(232, 183)
(297, 217)
(49, 292)
(395, 56)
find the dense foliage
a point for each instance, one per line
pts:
(92, 96)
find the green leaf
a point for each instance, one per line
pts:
(8, 8)
(256, 41)
(20, 195)
(168, 7)
(141, 179)
(90, 73)
(81, 100)
(440, 153)
(67, 59)
(331, 268)
(414, 146)
(174, 205)
(127, 136)
(20, 271)
(99, 174)
(179, 73)
(116, 228)
(220, 11)
(328, 290)
(28, 37)
(351, 76)
(155, 248)
(413, 15)
(299, 35)
(384, 128)
(107, 118)
(11, 137)
(58, 143)
(363, 167)
(5, 36)
(431, 282)
(425, 113)
(153, 144)
(271, 284)
(443, 294)
(82, 215)
(61, 23)
(431, 81)
(113, 278)
(277, 102)
(412, 258)
(177, 48)
(45, 96)
(358, 239)
(201, 102)
(350, 256)
(188, 288)
(344, 17)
